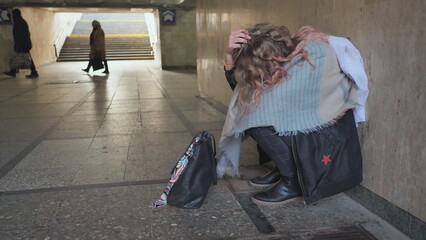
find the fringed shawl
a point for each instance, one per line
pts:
(311, 97)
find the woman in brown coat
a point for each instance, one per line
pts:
(97, 47)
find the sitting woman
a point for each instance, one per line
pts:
(292, 97)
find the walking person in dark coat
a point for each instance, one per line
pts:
(97, 47)
(22, 41)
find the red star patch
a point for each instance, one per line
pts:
(326, 159)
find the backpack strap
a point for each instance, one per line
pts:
(213, 161)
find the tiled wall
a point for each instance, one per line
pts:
(390, 35)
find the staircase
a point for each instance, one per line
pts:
(126, 38)
(117, 48)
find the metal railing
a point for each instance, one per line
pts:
(62, 35)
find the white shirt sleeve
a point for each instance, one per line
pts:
(352, 65)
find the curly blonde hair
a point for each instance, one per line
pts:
(259, 64)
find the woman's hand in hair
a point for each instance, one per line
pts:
(236, 39)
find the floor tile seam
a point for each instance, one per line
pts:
(105, 114)
(54, 219)
(139, 119)
(19, 157)
(216, 105)
(85, 187)
(256, 215)
(30, 103)
(96, 136)
(112, 135)
(128, 154)
(173, 105)
(22, 93)
(29, 119)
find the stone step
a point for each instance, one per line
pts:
(87, 51)
(78, 54)
(126, 38)
(112, 23)
(79, 59)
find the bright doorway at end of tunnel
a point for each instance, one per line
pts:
(128, 36)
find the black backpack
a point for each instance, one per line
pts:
(192, 175)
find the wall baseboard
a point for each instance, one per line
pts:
(408, 224)
(174, 68)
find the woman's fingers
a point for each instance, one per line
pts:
(237, 38)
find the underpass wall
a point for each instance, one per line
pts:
(45, 26)
(179, 42)
(216, 19)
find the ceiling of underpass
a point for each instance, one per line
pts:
(99, 9)
(95, 5)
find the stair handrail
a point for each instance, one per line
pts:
(62, 34)
(58, 37)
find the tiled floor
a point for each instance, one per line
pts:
(82, 156)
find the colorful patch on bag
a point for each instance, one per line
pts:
(177, 171)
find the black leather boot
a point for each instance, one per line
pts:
(32, 75)
(89, 65)
(285, 191)
(266, 180)
(106, 67)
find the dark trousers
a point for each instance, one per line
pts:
(263, 157)
(277, 148)
(90, 64)
(33, 68)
